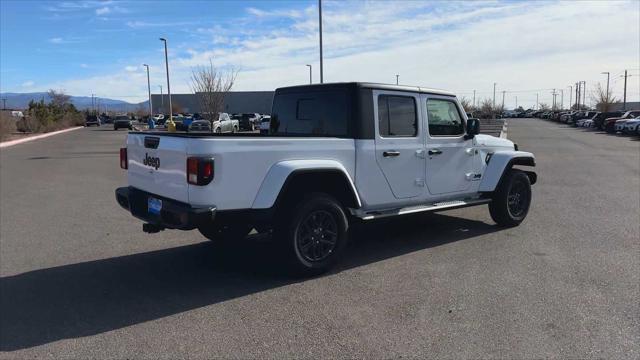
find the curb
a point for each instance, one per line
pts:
(36, 137)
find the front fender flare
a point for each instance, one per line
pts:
(279, 172)
(501, 162)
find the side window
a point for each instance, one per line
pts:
(319, 113)
(397, 116)
(444, 118)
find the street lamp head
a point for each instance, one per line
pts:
(604, 72)
(163, 39)
(145, 65)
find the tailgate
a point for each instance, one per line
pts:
(157, 164)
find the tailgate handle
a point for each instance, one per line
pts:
(151, 142)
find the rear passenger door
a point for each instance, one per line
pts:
(399, 142)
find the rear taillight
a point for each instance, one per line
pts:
(124, 164)
(199, 170)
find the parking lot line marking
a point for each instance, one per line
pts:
(36, 137)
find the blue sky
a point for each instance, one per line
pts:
(528, 48)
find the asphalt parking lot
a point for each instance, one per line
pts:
(79, 278)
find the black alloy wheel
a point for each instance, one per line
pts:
(317, 235)
(512, 199)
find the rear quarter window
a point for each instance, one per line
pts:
(314, 113)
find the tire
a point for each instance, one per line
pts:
(313, 234)
(511, 201)
(225, 233)
(218, 131)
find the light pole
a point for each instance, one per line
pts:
(561, 99)
(310, 79)
(149, 89)
(397, 77)
(606, 72)
(570, 95)
(584, 93)
(494, 95)
(171, 125)
(474, 99)
(161, 100)
(320, 27)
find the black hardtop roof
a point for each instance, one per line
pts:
(365, 85)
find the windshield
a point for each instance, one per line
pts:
(122, 117)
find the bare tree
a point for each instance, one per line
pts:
(466, 104)
(602, 99)
(211, 85)
(543, 107)
(59, 98)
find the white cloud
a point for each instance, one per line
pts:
(84, 66)
(60, 40)
(103, 11)
(459, 46)
(456, 46)
(137, 24)
(274, 13)
(28, 84)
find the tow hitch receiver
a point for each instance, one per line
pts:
(152, 228)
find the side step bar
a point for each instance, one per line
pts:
(439, 206)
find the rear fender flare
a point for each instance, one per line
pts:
(500, 163)
(279, 173)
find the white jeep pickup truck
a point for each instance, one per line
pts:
(334, 154)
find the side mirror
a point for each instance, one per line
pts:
(473, 128)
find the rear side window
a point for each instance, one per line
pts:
(397, 116)
(318, 113)
(444, 118)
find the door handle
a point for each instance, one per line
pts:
(392, 153)
(435, 152)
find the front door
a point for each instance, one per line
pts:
(399, 141)
(450, 157)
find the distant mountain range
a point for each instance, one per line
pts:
(21, 101)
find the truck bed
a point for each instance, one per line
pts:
(241, 163)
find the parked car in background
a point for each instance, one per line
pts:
(583, 121)
(581, 115)
(225, 124)
(248, 121)
(601, 117)
(200, 126)
(265, 123)
(92, 120)
(158, 117)
(105, 119)
(631, 126)
(122, 121)
(564, 117)
(617, 124)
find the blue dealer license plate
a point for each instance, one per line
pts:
(154, 205)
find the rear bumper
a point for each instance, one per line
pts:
(174, 214)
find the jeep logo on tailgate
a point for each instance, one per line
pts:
(154, 162)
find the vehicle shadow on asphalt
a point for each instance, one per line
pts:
(42, 306)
